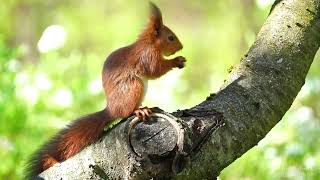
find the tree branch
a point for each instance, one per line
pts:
(199, 142)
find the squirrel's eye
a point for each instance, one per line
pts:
(171, 38)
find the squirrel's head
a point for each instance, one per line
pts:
(160, 35)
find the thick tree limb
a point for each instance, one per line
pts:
(208, 137)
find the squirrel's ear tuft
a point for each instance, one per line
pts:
(155, 18)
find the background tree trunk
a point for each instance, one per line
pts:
(199, 142)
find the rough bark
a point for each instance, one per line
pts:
(199, 142)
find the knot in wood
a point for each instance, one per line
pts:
(159, 135)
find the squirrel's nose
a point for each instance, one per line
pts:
(181, 46)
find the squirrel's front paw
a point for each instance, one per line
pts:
(179, 61)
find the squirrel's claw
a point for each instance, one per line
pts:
(143, 113)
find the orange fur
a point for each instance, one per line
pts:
(48, 161)
(122, 76)
(81, 133)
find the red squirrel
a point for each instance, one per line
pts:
(123, 76)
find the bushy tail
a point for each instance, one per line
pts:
(81, 133)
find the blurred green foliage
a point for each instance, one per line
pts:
(42, 89)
